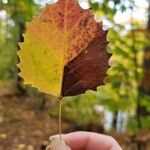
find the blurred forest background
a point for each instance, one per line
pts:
(120, 108)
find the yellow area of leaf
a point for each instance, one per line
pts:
(41, 60)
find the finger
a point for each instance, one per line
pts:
(90, 141)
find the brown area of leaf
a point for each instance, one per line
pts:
(87, 70)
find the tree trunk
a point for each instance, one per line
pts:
(144, 88)
(145, 85)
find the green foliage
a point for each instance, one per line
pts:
(145, 122)
(132, 126)
(109, 8)
(16, 12)
(145, 102)
(80, 109)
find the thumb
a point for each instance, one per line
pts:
(57, 144)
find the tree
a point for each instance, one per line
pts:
(16, 14)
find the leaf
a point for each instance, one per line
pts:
(64, 50)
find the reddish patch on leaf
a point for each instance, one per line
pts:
(87, 70)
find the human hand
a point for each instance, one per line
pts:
(88, 141)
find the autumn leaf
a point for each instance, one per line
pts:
(64, 50)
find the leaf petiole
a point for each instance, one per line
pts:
(60, 114)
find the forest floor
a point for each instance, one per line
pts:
(24, 126)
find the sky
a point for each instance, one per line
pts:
(140, 13)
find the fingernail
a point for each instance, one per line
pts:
(57, 144)
(55, 137)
